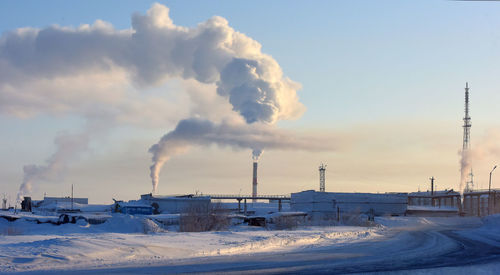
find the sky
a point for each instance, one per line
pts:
(374, 89)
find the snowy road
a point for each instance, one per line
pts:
(434, 247)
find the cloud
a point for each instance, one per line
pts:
(102, 73)
(235, 134)
(152, 51)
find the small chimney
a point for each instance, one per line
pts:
(254, 182)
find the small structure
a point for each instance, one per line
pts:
(132, 207)
(137, 210)
(26, 204)
(176, 204)
(329, 206)
(256, 221)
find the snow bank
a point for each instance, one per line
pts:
(492, 221)
(124, 224)
(489, 232)
(120, 241)
(421, 222)
(245, 243)
(117, 223)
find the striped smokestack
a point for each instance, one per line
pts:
(254, 182)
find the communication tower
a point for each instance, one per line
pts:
(466, 140)
(467, 121)
(322, 169)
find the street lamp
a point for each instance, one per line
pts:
(489, 190)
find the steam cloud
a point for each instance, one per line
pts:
(68, 147)
(154, 50)
(195, 131)
(465, 167)
(90, 71)
(256, 153)
(484, 153)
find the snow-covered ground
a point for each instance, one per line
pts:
(26, 246)
(126, 244)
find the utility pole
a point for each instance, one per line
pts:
(432, 185)
(489, 190)
(432, 190)
(71, 196)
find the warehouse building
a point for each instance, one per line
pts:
(327, 205)
(176, 204)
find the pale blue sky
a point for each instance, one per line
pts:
(361, 64)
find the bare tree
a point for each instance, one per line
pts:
(198, 219)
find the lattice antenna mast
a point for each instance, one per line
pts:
(322, 169)
(467, 126)
(467, 121)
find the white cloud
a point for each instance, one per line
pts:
(155, 49)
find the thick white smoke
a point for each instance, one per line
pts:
(154, 50)
(68, 148)
(96, 71)
(257, 137)
(484, 154)
(465, 167)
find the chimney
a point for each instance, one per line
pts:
(254, 182)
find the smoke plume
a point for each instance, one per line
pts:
(484, 153)
(97, 71)
(68, 147)
(151, 52)
(256, 153)
(257, 137)
(465, 167)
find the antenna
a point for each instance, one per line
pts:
(466, 139)
(467, 120)
(71, 196)
(322, 169)
(469, 187)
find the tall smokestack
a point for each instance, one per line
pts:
(254, 182)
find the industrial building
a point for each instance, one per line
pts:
(440, 199)
(47, 200)
(481, 202)
(435, 203)
(328, 205)
(176, 204)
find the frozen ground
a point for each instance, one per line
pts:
(409, 245)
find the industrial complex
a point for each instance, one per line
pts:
(308, 207)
